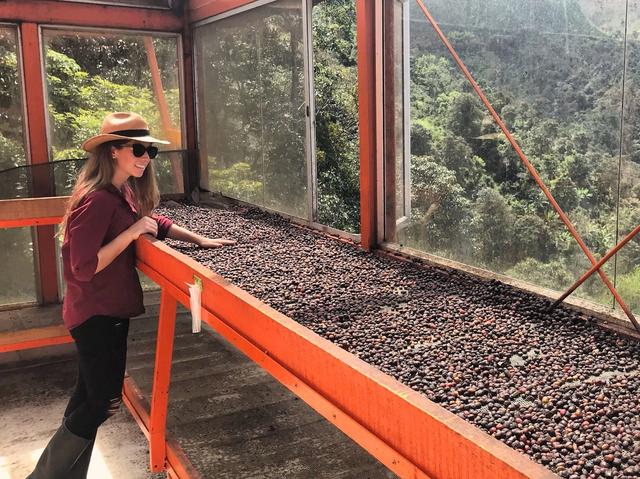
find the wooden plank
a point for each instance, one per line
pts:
(203, 9)
(52, 12)
(34, 338)
(32, 209)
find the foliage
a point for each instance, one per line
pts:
(335, 83)
(560, 97)
(237, 181)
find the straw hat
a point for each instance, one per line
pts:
(122, 126)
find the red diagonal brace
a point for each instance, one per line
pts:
(527, 163)
(595, 267)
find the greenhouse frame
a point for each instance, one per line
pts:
(480, 155)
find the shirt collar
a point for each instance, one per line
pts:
(123, 195)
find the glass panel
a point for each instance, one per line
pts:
(91, 74)
(14, 181)
(16, 249)
(251, 107)
(553, 71)
(335, 76)
(397, 106)
(628, 260)
(16, 256)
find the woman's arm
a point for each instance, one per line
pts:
(111, 250)
(182, 234)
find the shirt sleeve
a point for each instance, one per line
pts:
(164, 224)
(88, 225)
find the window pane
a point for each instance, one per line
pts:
(16, 256)
(553, 72)
(14, 181)
(335, 79)
(628, 260)
(16, 249)
(251, 107)
(92, 74)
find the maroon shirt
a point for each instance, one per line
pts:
(115, 291)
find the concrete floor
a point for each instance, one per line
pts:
(33, 398)
(230, 417)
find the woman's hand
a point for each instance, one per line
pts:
(215, 242)
(143, 226)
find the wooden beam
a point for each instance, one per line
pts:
(188, 92)
(34, 338)
(178, 463)
(32, 209)
(203, 9)
(49, 12)
(369, 111)
(42, 176)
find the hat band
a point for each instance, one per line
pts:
(130, 133)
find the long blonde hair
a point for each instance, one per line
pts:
(97, 173)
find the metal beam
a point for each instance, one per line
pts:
(89, 15)
(161, 380)
(190, 141)
(368, 26)
(42, 177)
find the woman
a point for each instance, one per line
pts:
(110, 207)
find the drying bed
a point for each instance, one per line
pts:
(553, 386)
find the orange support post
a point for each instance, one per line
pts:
(161, 380)
(191, 142)
(178, 463)
(565, 219)
(45, 245)
(368, 39)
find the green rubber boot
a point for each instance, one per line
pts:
(66, 456)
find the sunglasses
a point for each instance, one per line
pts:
(139, 149)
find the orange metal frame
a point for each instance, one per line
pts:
(168, 130)
(369, 41)
(565, 219)
(203, 9)
(44, 240)
(89, 15)
(411, 435)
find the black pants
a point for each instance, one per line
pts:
(101, 342)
